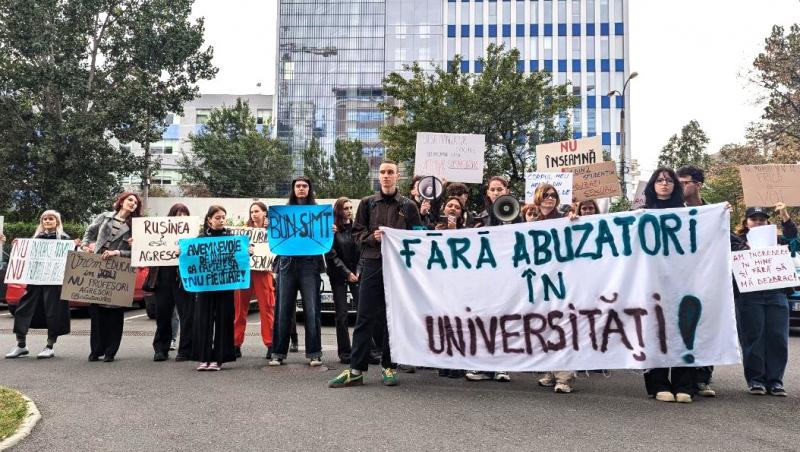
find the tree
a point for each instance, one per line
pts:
(688, 149)
(75, 75)
(723, 182)
(350, 170)
(513, 110)
(776, 71)
(231, 158)
(317, 167)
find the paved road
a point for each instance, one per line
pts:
(137, 404)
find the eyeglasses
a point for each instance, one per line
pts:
(662, 180)
(550, 195)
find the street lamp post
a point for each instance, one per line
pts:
(612, 93)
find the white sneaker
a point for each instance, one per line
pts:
(682, 397)
(173, 345)
(16, 352)
(705, 390)
(502, 376)
(563, 388)
(477, 375)
(274, 362)
(665, 396)
(547, 381)
(46, 353)
(315, 362)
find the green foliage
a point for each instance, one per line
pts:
(75, 75)
(350, 170)
(231, 158)
(776, 71)
(723, 183)
(686, 149)
(25, 230)
(317, 167)
(514, 110)
(620, 204)
(13, 410)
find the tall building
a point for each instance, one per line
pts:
(332, 56)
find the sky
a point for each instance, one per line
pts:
(694, 58)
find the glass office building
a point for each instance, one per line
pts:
(333, 55)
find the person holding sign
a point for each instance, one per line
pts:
(762, 317)
(42, 300)
(343, 271)
(262, 285)
(662, 192)
(385, 209)
(170, 294)
(212, 332)
(299, 273)
(110, 235)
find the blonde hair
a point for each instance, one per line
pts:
(59, 225)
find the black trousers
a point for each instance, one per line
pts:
(371, 313)
(683, 380)
(106, 334)
(704, 374)
(41, 307)
(339, 289)
(170, 295)
(212, 331)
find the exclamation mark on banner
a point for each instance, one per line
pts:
(689, 312)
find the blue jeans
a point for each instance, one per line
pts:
(763, 322)
(298, 273)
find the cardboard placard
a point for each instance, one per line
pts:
(766, 185)
(262, 257)
(300, 230)
(155, 239)
(764, 269)
(551, 157)
(594, 181)
(90, 279)
(457, 157)
(561, 181)
(215, 263)
(38, 261)
(638, 198)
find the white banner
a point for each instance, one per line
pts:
(561, 181)
(457, 157)
(155, 239)
(628, 290)
(38, 261)
(764, 269)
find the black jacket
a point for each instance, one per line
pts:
(344, 255)
(739, 243)
(393, 211)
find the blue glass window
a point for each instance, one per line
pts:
(173, 132)
(562, 29)
(605, 65)
(534, 64)
(590, 66)
(521, 66)
(451, 31)
(479, 31)
(506, 30)
(619, 65)
(606, 139)
(520, 29)
(534, 30)
(604, 29)
(548, 29)
(605, 102)
(478, 66)
(589, 29)
(619, 29)
(465, 31)
(619, 137)
(620, 101)
(576, 65)
(576, 29)
(548, 65)
(465, 66)
(562, 65)
(576, 135)
(492, 30)
(591, 102)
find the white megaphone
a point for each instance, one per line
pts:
(430, 187)
(506, 208)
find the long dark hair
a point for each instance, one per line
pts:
(211, 211)
(459, 219)
(338, 212)
(262, 206)
(310, 199)
(178, 208)
(651, 199)
(121, 198)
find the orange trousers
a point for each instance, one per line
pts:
(262, 284)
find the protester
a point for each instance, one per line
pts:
(497, 187)
(661, 193)
(343, 271)
(110, 235)
(261, 285)
(453, 219)
(529, 212)
(428, 209)
(460, 191)
(42, 302)
(386, 208)
(299, 273)
(546, 201)
(586, 208)
(762, 317)
(691, 179)
(170, 295)
(212, 332)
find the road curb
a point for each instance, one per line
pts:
(31, 418)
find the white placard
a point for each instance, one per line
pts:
(262, 257)
(565, 154)
(762, 236)
(764, 269)
(38, 261)
(561, 181)
(625, 290)
(155, 239)
(456, 157)
(638, 198)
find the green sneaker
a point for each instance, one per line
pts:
(389, 377)
(346, 378)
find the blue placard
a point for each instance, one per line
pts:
(300, 230)
(214, 263)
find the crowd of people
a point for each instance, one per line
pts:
(212, 324)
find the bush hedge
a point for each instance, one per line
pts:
(24, 230)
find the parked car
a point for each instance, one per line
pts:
(14, 292)
(326, 296)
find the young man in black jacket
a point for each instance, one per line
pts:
(387, 208)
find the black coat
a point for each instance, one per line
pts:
(344, 255)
